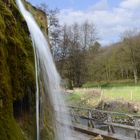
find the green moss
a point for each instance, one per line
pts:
(2, 29)
(40, 17)
(10, 130)
(15, 53)
(17, 76)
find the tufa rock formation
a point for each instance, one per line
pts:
(17, 77)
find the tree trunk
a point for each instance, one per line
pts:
(127, 74)
(122, 72)
(135, 76)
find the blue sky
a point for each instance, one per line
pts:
(111, 17)
(75, 4)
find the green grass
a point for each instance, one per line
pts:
(126, 93)
(86, 97)
(105, 84)
(74, 98)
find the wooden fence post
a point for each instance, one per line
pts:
(110, 126)
(90, 121)
(131, 95)
(137, 125)
(74, 116)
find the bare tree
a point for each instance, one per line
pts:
(54, 28)
(88, 34)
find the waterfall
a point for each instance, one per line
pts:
(51, 80)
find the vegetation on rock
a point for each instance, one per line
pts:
(17, 76)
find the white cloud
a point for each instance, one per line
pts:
(130, 4)
(110, 22)
(101, 5)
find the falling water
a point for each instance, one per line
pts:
(45, 65)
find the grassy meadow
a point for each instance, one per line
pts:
(127, 93)
(91, 97)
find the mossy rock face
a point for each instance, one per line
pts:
(17, 76)
(10, 130)
(16, 57)
(40, 17)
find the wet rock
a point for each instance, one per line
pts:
(135, 109)
(99, 137)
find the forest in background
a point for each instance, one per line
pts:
(81, 59)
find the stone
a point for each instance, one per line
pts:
(136, 109)
(99, 137)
